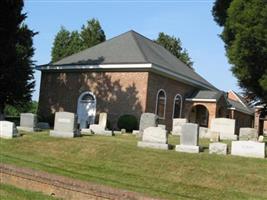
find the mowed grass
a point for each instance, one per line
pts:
(118, 162)
(8, 192)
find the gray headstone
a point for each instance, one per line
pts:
(43, 125)
(225, 126)
(177, 125)
(248, 149)
(65, 125)
(100, 128)
(189, 134)
(147, 120)
(189, 139)
(8, 129)
(154, 137)
(218, 148)
(248, 134)
(28, 122)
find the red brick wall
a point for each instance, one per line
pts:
(172, 88)
(242, 120)
(116, 92)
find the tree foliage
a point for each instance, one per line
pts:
(29, 107)
(219, 11)
(92, 33)
(174, 46)
(67, 43)
(245, 37)
(16, 51)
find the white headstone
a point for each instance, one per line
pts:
(177, 125)
(100, 128)
(8, 130)
(214, 137)
(28, 122)
(189, 139)
(248, 149)
(103, 117)
(154, 137)
(204, 132)
(225, 126)
(261, 138)
(218, 148)
(65, 125)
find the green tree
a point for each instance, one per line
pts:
(174, 46)
(61, 44)
(67, 43)
(92, 33)
(245, 37)
(16, 51)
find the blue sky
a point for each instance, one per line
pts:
(189, 20)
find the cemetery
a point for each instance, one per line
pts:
(151, 147)
(127, 115)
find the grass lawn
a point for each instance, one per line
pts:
(116, 161)
(8, 192)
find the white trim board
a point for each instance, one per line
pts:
(202, 100)
(149, 66)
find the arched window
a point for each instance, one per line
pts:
(87, 97)
(177, 106)
(161, 103)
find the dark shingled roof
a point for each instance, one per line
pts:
(133, 48)
(240, 107)
(207, 94)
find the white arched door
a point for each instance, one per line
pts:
(86, 109)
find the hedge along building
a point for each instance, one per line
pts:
(129, 74)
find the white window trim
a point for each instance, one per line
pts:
(181, 105)
(157, 98)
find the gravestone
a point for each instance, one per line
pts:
(261, 138)
(225, 126)
(248, 149)
(28, 122)
(65, 125)
(214, 137)
(177, 125)
(8, 130)
(154, 137)
(162, 126)
(218, 148)
(43, 125)
(248, 134)
(204, 132)
(135, 132)
(100, 128)
(189, 139)
(147, 120)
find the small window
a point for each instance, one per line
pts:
(177, 106)
(161, 102)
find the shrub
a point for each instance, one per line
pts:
(128, 122)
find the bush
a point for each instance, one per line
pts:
(128, 122)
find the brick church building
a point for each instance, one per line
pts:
(131, 74)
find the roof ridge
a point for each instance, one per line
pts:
(138, 45)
